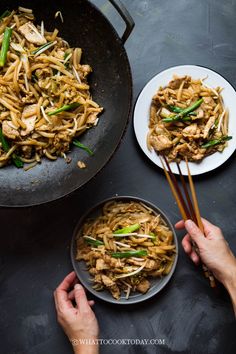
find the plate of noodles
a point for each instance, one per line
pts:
(187, 111)
(124, 250)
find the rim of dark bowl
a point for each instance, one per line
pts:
(107, 297)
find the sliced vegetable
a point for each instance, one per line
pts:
(214, 142)
(4, 142)
(153, 236)
(82, 146)
(44, 47)
(127, 229)
(134, 234)
(93, 241)
(5, 14)
(58, 13)
(176, 109)
(66, 107)
(16, 160)
(67, 60)
(132, 273)
(122, 244)
(34, 77)
(5, 46)
(182, 115)
(127, 254)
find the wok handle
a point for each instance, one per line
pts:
(121, 9)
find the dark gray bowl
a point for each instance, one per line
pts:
(157, 284)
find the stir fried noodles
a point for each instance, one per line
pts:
(44, 95)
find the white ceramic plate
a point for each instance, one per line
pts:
(141, 115)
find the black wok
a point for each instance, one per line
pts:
(111, 85)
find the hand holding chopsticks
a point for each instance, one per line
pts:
(188, 206)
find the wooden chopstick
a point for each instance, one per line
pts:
(175, 194)
(190, 205)
(194, 196)
(193, 212)
(175, 183)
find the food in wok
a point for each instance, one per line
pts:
(188, 119)
(45, 102)
(126, 246)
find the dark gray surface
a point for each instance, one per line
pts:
(34, 247)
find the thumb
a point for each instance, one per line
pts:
(195, 233)
(81, 299)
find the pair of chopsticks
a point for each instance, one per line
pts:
(188, 207)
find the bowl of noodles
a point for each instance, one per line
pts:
(124, 250)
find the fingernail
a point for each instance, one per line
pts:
(78, 287)
(189, 224)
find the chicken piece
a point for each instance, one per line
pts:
(113, 262)
(92, 118)
(9, 129)
(100, 264)
(160, 142)
(184, 148)
(157, 272)
(191, 131)
(86, 69)
(107, 281)
(134, 262)
(143, 286)
(29, 117)
(151, 265)
(98, 279)
(200, 114)
(208, 126)
(93, 271)
(31, 33)
(30, 123)
(175, 84)
(199, 156)
(208, 100)
(161, 130)
(115, 291)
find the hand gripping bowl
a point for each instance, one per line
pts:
(157, 284)
(110, 84)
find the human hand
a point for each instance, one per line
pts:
(78, 322)
(213, 249)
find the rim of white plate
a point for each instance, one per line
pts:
(142, 107)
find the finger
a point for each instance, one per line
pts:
(81, 299)
(194, 257)
(66, 284)
(180, 225)
(61, 296)
(75, 282)
(194, 232)
(186, 243)
(211, 229)
(71, 295)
